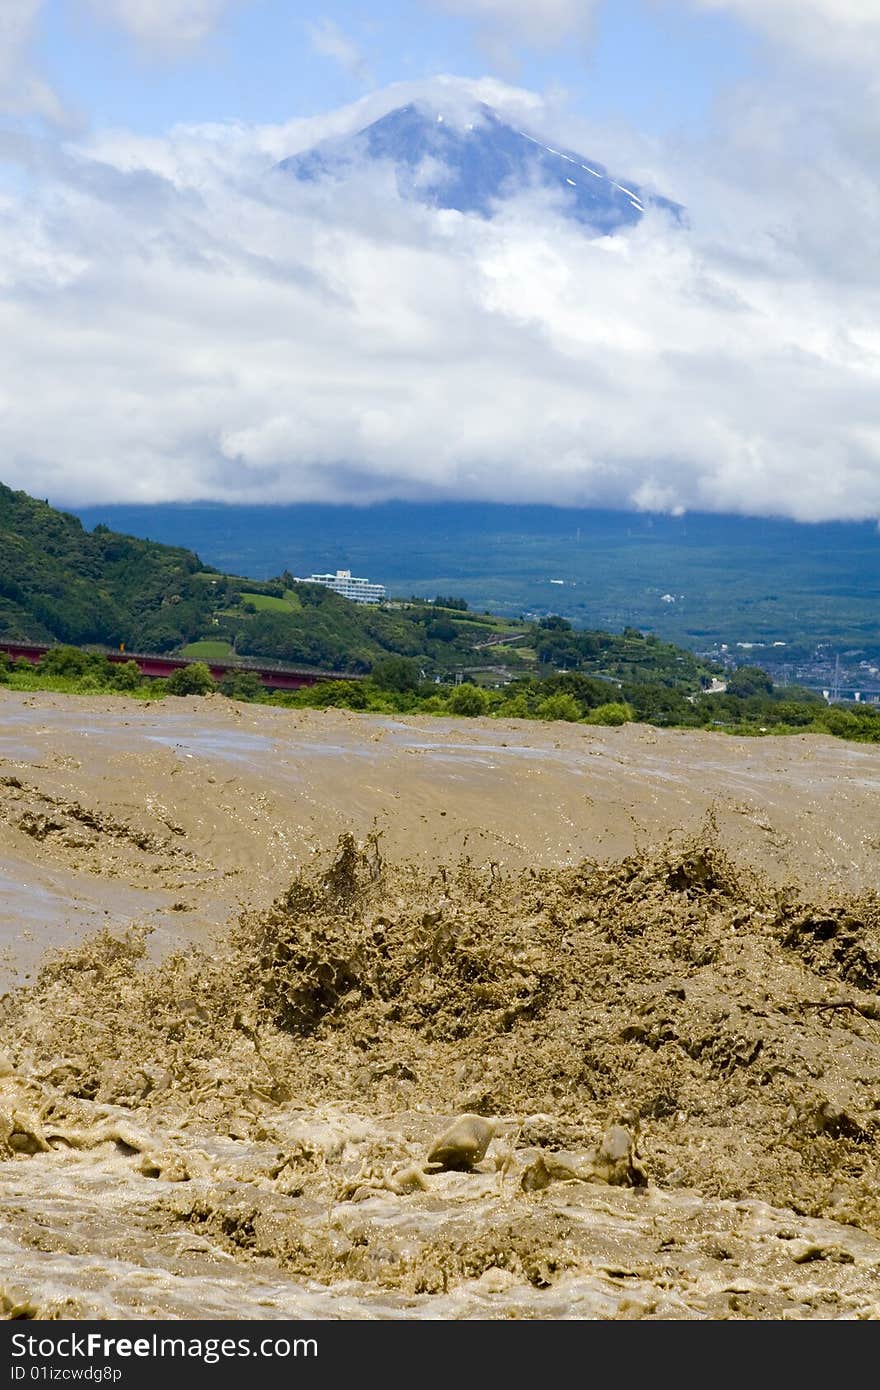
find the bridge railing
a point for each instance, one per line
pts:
(164, 663)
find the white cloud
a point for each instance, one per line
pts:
(23, 92)
(845, 32)
(836, 31)
(16, 23)
(330, 41)
(541, 25)
(166, 26)
(176, 321)
(507, 27)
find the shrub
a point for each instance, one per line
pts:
(395, 673)
(516, 708)
(790, 712)
(126, 675)
(65, 661)
(242, 685)
(614, 713)
(843, 723)
(468, 700)
(559, 706)
(338, 695)
(747, 681)
(195, 679)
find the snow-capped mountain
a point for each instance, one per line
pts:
(474, 165)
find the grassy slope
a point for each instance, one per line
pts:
(207, 651)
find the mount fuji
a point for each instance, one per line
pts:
(473, 166)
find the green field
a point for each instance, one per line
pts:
(208, 650)
(266, 603)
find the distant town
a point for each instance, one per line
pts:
(845, 676)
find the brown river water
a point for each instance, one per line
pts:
(231, 1039)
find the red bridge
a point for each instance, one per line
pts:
(275, 677)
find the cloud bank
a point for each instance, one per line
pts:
(179, 321)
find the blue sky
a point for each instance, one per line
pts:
(655, 67)
(177, 324)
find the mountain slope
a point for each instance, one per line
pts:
(61, 582)
(473, 167)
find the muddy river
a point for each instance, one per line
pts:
(258, 961)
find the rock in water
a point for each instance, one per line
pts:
(617, 1144)
(462, 1145)
(617, 1162)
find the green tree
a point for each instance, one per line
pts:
(468, 700)
(395, 673)
(559, 706)
(747, 681)
(339, 695)
(516, 707)
(843, 723)
(242, 685)
(64, 661)
(441, 631)
(194, 679)
(614, 713)
(126, 675)
(792, 712)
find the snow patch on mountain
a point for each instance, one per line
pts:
(473, 165)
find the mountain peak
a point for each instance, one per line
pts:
(472, 163)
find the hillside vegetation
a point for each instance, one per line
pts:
(61, 583)
(64, 585)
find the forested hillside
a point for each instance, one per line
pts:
(59, 582)
(62, 583)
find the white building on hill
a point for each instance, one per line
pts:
(349, 586)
